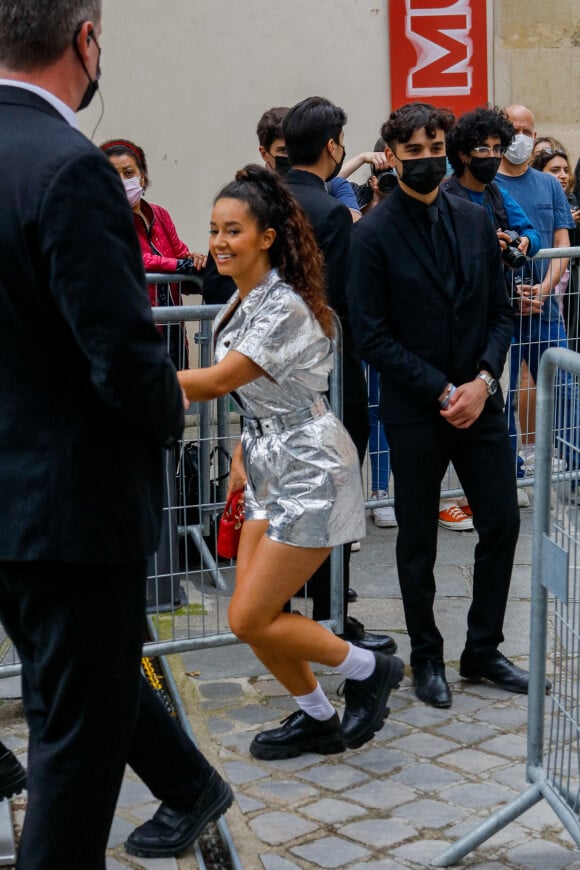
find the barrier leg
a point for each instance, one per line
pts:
(490, 827)
(7, 847)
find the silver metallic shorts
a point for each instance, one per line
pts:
(304, 478)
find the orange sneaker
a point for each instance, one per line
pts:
(455, 519)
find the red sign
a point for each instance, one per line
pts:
(439, 53)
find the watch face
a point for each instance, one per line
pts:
(492, 387)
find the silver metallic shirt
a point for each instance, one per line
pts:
(302, 467)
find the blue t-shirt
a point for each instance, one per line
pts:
(342, 189)
(545, 203)
(517, 219)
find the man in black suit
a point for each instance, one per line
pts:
(89, 398)
(430, 312)
(314, 137)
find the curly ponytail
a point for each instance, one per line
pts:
(294, 251)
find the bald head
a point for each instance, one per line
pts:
(522, 118)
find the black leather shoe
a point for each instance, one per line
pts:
(169, 832)
(366, 700)
(431, 687)
(354, 631)
(299, 733)
(497, 669)
(12, 774)
(352, 595)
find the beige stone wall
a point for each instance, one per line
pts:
(188, 79)
(537, 63)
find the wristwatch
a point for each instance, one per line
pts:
(490, 383)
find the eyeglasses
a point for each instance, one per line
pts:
(486, 151)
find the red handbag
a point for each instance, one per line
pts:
(230, 526)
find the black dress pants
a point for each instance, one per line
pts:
(420, 454)
(78, 630)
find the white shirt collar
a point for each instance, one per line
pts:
(54, 101)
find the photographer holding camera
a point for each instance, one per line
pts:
(475, 146)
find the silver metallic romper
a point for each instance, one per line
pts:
(302, 467)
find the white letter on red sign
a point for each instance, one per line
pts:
(441, 38)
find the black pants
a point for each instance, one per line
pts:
(78, 630)
(356, 423)
(420, 454)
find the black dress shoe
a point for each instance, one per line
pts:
(352, 595)
(170, 831)
(497, 669)
(299, 733)
(431, 687)
(12, 774)
(354, 631)
(366, 700)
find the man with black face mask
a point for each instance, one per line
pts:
(314, 136)
(80, 510)
(430, 312)
(475, 146)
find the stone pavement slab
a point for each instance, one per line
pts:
(427, 777)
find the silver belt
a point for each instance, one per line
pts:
(282, 422)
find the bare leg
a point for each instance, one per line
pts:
(267, 575)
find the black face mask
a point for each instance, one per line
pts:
(282, 164)
(93, 85)
(484, 169)
(337, 165)
(423, 174)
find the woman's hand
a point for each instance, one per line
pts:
(238, 477)
(199, 260)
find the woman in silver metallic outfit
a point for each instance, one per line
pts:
(298, 465)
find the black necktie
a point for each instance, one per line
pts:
(440, 243)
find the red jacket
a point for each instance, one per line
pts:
(160, 245)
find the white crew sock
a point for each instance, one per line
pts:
(316, 704)
(358, 664)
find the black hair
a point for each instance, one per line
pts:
(472, 129)
(270, 126)
(307, 128)
(120, 147)
(402, 123)
(294, 251)
(36, 33)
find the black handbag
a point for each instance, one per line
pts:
(187, 479)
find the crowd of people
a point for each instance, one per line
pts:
(427, 267)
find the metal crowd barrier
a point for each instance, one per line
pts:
(377, 466)
(189, 587)
(553, 744)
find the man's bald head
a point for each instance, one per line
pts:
(522, 118)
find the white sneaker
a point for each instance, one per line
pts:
(384, 517)
(523, 498)
(529, 458)
(355, 547)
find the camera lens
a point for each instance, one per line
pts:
(386, 181)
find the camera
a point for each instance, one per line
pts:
(513, 257)
(386, 181)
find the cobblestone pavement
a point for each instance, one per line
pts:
(428, 777)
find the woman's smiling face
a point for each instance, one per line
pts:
(238, 246)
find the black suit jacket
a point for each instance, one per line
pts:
(88, 395)
(405, 323)
(332, 225)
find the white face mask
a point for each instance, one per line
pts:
(133, 190)
(520, 149)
